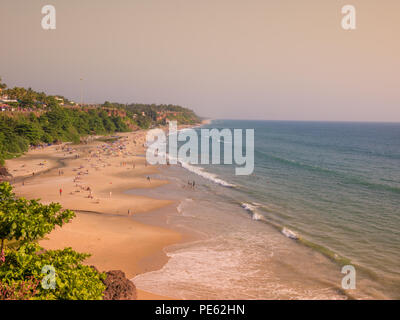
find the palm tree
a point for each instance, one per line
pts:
(2, 85)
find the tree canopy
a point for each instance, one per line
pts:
(2, 85)
(46, 119)
(28, 220)
(20, 131)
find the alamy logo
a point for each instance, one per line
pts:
(349, 20)
(49, 280)
(49, 20)
(349, 280)
(233, 149)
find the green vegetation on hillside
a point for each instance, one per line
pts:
(39, 118)
(20, 130)
(149, 115)
(2, 85)
(28, 98)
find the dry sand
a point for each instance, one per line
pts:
(93, 178)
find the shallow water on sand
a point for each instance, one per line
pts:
(234, 256)
(335, 185)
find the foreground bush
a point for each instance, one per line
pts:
(23, 263)
(19, 290)
(72, 279)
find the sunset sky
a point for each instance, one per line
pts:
(253, 59)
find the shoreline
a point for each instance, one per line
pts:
(105, 224)
(153, 237)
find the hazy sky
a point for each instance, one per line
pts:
(250, 59)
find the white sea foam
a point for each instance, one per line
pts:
(194, 169)
(257, 216)
(225, 268)
(289, 233)
(187, 276)
(252, 209)
(181, 207)
(248, 207)
(207, 175)
(198, 171)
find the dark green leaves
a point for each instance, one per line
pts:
(28, 220)
(24, 221)
(74, 281)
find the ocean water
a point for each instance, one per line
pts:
(333, 186)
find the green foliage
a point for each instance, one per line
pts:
(57, 124)
(10, 142)
(21, 290)
(74, 281)
(28, 220)
(28, 98)
(30, 130)
(24, 221)
(2, 85)
(120, 125)
(147, 115)
(53, 122)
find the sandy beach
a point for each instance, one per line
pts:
(91, 180)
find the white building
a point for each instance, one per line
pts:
(5, 107)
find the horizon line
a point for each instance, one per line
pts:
(293, 120)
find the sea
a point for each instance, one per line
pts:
(322, 196)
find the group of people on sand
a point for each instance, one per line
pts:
(97, 157)
(124, 164)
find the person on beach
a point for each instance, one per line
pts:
(60, 192)
(148, 179)
(110, 194)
